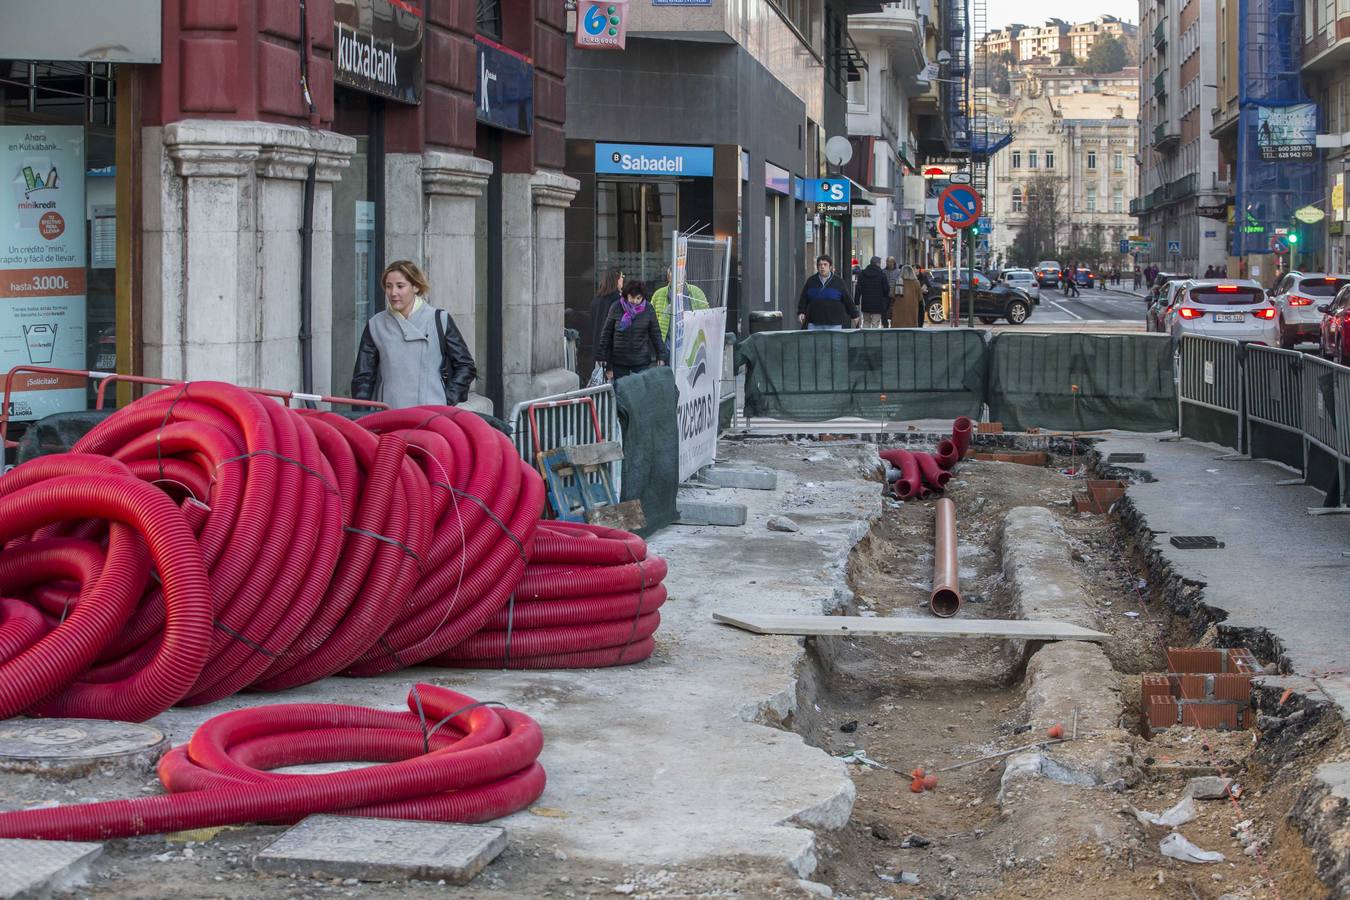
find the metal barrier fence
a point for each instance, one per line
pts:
(1326, 444)
(565, 420)
(1274, 384)
(1211, 392)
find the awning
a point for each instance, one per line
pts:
(861, 196)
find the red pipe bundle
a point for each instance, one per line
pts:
(922, 474)
(448, 759)
(589, 599)
(204, 541)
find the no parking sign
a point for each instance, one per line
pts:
(960, 205)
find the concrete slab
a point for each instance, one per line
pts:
(1037, 565)
(39, 869)
(1280, 571)
(746, 479)
(707, 512)
(72, 748)
(669, 762)
(382, 850)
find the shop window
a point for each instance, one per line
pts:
(633, 223)
(58, 144)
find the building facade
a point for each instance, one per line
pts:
(1043, 42)
(1179, 181)
(1325, 67)
(1086, 143)
(1083, 36)
(882, 130)
(246, 170)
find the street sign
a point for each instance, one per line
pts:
(959, 178)
(961, 205)
(986, 225)
(1124, 246)
(1174, 247)
(1310, 214)
(946, 230)
(1279, 243)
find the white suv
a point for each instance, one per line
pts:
(1233, 309)
(1297, 297)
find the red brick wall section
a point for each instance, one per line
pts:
(550, 96)
(240, 59)
(450, 61)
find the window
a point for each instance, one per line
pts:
(1092, 199)
(1092, 159)
(1017, 159)
(489, 19)
(857, 91)
(1118, 201)
(1118, 161)
(1031, 159)
(1017, 200)
(1049, 159)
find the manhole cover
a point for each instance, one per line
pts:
(1115, 458)
(73, 747)
(1196, 542)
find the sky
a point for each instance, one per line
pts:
(1034, 12)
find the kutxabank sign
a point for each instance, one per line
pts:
(377, 47)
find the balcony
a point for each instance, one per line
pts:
(899, 29)
(1182, 188)
(1166, 137)
(1160, 34)
(1160, 84)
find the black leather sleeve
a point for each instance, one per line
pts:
(457, 368)
(367, 369)
(659, 348)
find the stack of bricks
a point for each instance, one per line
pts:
(1102, 494)
(1203, 688)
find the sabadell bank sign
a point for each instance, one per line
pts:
(378, 47)
(653, 159)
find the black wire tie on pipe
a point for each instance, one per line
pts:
(408, 551)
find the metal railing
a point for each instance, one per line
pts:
(1323, 425)
(1211, 391)
(566, 420)
(1274, 385)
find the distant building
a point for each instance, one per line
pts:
(1002, 44)
(1045, 42)
(1085, 35)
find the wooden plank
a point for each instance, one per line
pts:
(626, 516)
(1016, 629)
(593, 454)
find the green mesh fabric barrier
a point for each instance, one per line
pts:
(651, 443)
(874, 373)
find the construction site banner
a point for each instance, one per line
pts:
(900, 373)
(698, 375)
(1082, 382)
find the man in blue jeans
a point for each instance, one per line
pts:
(825, 304)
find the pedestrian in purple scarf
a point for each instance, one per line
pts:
(631, 340)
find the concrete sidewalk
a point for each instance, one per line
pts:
(1281, 570)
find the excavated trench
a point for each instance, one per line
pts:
(1057, 821)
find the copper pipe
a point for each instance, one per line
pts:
(945, 600)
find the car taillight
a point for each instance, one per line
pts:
(1264, 313)
(1226, 288)
(1296, 300)
(1187, 312)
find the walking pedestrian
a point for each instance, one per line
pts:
(611, 284)
(411, 353)
(874, 293)
(661, 302)
(1137, 278)
(907, 309)
(1068, 276)
(893, 276)
(631, 339)
(825, 304)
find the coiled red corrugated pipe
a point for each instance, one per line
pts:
(447, 759)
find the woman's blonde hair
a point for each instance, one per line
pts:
(408, 269)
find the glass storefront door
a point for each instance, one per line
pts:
(633, 224)
(358, 233)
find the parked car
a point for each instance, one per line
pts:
(1158, 316)
(1333, 337)
(1227, 308)
(1047, 273)
(1085, 277)
(1297, 297)
(1161, 280)
(993, 301)
(1023, 280)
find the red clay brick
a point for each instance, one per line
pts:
(1209, 715)
(1193, 687)
(989, 427)
(1233, 686)
(1194, 660)
(1162, 712)
(1153, 686)
(1240, 659)
(1023, 457)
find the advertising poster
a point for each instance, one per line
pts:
(42, 265)
(698, 377)
(1286, 132)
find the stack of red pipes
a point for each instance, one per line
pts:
(204, 541)
(924, 474)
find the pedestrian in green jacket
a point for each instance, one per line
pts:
(661, 302)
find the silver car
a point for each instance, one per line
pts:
(1297, 297)
(1226, 308)
(1025, 280)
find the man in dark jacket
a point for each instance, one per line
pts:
(874, 293)
(825, 304)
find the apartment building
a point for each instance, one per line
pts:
(1002, 43)
(882, 128)
(1047, 41)
(1179, 181)
(1083, 36)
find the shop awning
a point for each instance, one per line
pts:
(861, 196)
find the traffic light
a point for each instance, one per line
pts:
(1292, 237)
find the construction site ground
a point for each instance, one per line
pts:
(733, 764)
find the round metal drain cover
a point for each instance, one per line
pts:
(75, 747)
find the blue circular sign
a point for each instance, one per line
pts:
(960, 205)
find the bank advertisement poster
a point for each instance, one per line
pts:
(698, 378)
(1286, 132)
(42, 265)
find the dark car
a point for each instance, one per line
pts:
(1334, 336)
(993, 301)
(1160, 282)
